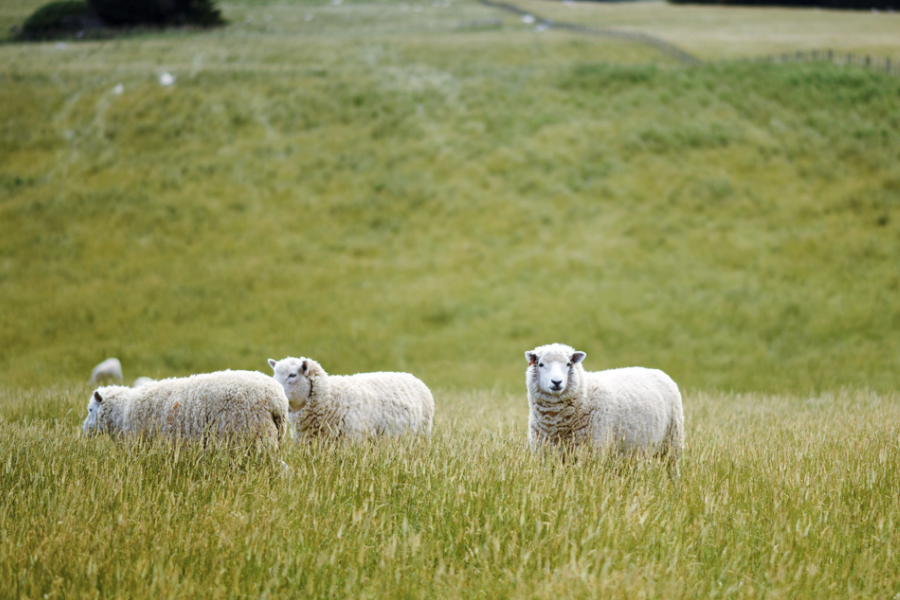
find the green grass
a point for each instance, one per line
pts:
(440, 203)
(390, 189)
(780, 496)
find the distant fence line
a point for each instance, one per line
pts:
(641, 38)
(885, 65)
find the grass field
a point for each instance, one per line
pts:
(412, 186)
(780, 496)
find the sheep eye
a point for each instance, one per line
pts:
(541, 364)
(292, 375)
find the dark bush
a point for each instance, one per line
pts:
(57, 19)
(125, 13)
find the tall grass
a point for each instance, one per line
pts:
(790, 496)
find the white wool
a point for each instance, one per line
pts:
(141, 381)
(109, 370)
(353, 406)
(227, 404)
(627, 411)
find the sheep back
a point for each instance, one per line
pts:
(384, 403)
(226, 404)
(635, 409)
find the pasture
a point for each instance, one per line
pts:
(780, 496)
(435, 188)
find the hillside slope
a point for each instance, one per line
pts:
(440, 198)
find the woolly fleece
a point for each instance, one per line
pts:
(629, 411)
(228, 404)
(353, 406)
(141, 381)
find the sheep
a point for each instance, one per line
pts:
(354, 407)
(109, 370)
(228, 404)
(627, 411)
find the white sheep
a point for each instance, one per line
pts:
(109, 370)
(233, 405)
(353, 406)
(627, 411)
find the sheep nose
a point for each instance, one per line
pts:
(556, 382)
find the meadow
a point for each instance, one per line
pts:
(780, 496)
(436, 188)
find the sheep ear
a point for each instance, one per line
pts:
(98, 397)
(272, 362)
(304, 368)
(578, 357)
(531, 357)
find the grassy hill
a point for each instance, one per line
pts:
(392, 191)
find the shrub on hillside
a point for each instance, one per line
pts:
(57, 19)
(125, 13)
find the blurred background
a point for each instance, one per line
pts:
(436, 187)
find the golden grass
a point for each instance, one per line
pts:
(779, 496)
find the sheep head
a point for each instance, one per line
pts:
(551, 367)
(294, 376)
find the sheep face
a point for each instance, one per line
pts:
(293, 375)
(93, 423)
(551, 367)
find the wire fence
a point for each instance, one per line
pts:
(877, 63)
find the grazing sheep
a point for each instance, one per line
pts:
(627, 411)
(353, 406)
(109, 370)
(226, 404)
(142, 381)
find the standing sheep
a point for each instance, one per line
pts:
(353, 406)
(228, 404)
(628, 411)
(109, 370)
